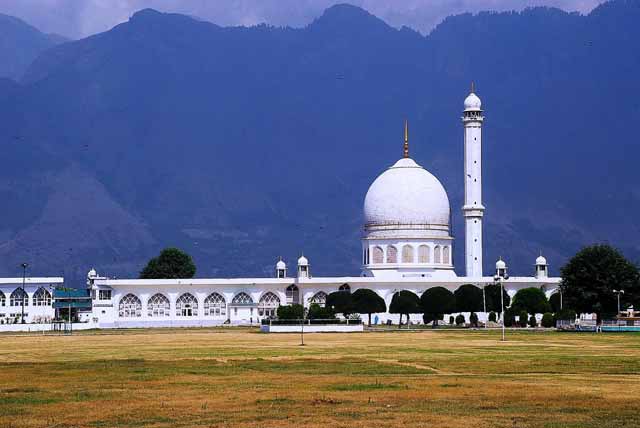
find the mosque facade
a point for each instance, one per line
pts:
(406, 245)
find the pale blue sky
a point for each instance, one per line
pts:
(79, 18)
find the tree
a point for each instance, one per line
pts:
(468, 298)
(341, 302)
(451, 319)
(547, 320)
(368, 302)
(290, 312)
(459, 319)
(509, 318)
(436, 302)
(317, 312)
(492, 296)
(589, 278)
(473, 319)
(533, 322)
(172, 263)
(522, 318)
(533, 300)
(493, 317)
(404, 302)
(554, 301)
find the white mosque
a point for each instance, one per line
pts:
(406, 245)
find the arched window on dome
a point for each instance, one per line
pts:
(187, 305)
(41, 297)
(446, 255)
(378, 255)
(158, 306)
(268, 304)
(345, 287)
(436, 255)
(392, 254)
(320, 298)
(292, 293)
(407, 254)
(130, 306)
(423, 254)
(215, 305)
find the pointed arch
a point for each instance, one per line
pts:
(378, 255)
(158, 305)
(130, 306)
(187, 305)
(3, 299)
(19, 297)
(423, 254)
(436, 255)
(407, 254)
(292, 293)
(215, 305)
(41, 297)
(320, 298)
(392, 254)
(446, 255)
(345, 287)
(268, 304)
(241, 299)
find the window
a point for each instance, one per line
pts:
(436, 254)
(3, 299)
(345, 287)
(392, 254)
(41, 297)
(242, 299)
(423, 254)
(446, 255)
(104, 294)
(18, 298)
(378, 255)
(268, 304)
(158, 306)
(187, 306)
(215, 305)
(292, 294)
(320, 298)
(407, 254)
(130, 307)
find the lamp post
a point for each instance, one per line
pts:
(499, 277)
(618, 292)
(24, 278)
(484, 304)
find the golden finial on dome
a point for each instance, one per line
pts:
(406, 139)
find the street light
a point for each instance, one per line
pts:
(618, 292)
(24, 278)
(501, 275)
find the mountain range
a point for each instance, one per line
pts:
(241, 144)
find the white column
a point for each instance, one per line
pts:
(473, 208)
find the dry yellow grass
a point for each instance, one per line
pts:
(231, 378)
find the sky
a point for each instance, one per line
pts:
(80, 18)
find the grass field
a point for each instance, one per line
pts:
(231, 378)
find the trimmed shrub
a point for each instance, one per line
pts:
(452, 319)
(547, 320)
(522, 318)
(459, 320)
(533, 322)
(290, 312)
(566, 315)
(473, 319)
(493, 317)
(509, 318)
(317, 312)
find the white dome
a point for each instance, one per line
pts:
(281, 265)
(472, 102)
(92, 273)
(302, 261)
(541, 261)
(500, 264)
(406, 194)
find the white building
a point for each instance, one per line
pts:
(406, 245)
(31, 299)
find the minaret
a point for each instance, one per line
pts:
(473, 209)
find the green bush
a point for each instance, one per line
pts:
(566, 315)
(317, 312)
(547, 320)
(509, 318)
(451, 319)
(460, 320)
(473, 319)
(522, 318)
(493, 317)
(290, 312)
(532, 321)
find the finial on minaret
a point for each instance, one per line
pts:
(406, 139)
(473, 88)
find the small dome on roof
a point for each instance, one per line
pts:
(281, 264)
(302, 261)
(541, 261)
(472, 102)
(92, 273)
(500, 264)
